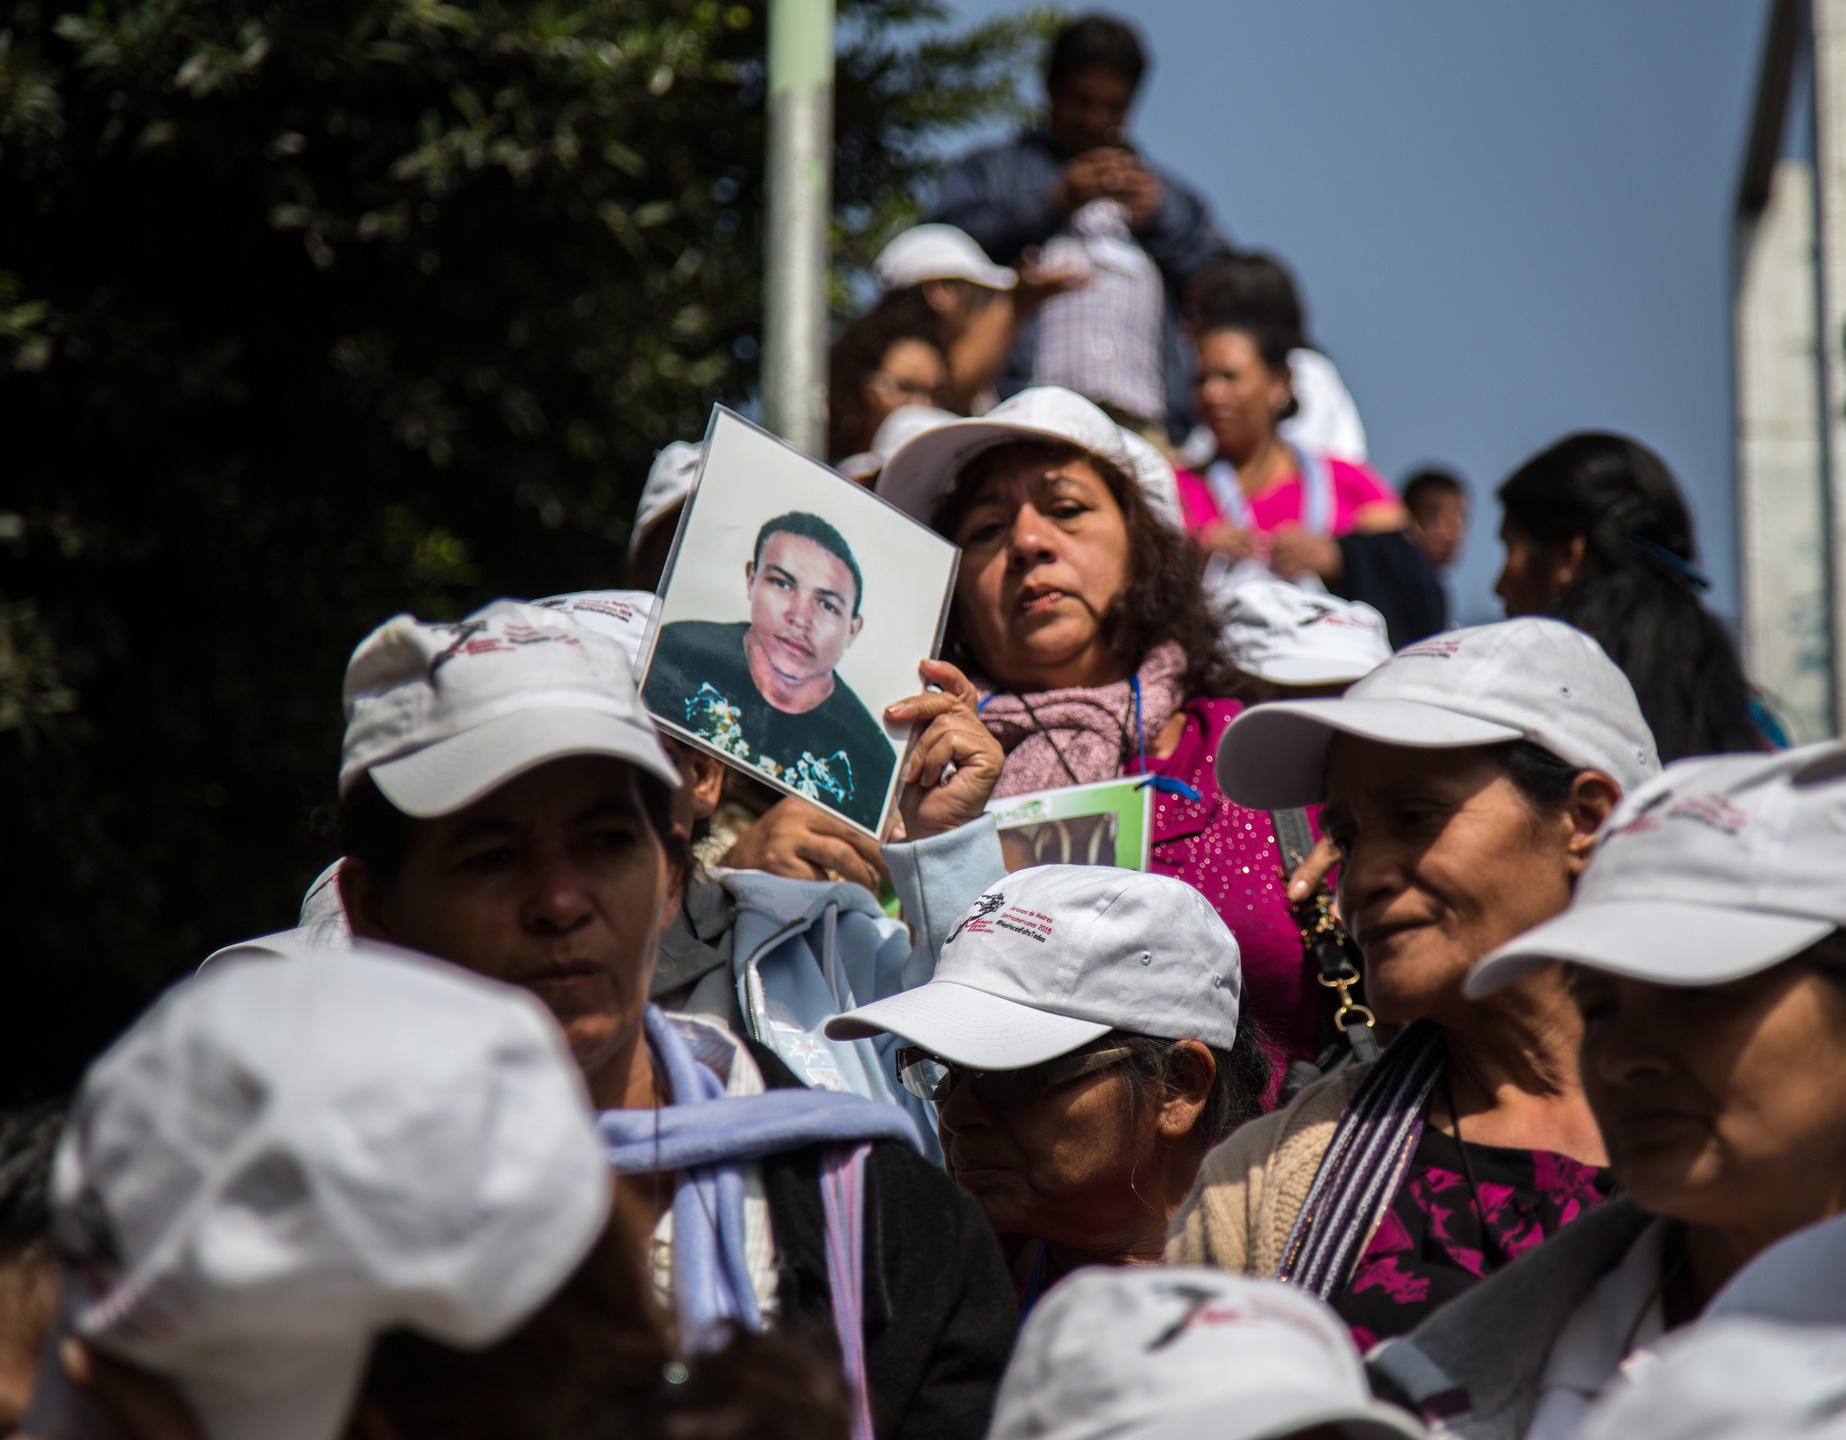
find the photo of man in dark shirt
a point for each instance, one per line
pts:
(764, 691)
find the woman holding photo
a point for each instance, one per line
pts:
(1079, 616)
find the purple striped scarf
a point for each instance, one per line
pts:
(1359, 1175)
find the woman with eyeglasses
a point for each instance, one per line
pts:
(1080, 1040)
(882, 362)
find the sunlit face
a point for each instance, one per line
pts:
(1534, 575)
(802, 598)
(1442, 861)
(1044, 558)
(1060, 1169)
(1089, 107)
(1239, 398)
(554, 882)
(1721, 1105)
(912, 372)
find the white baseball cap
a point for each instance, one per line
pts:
(285, 1158)
(1528, 679)
(920, 473)
(1056, 956)
(1290, 636)
(938, 252)
(897, 430)
(622, 615)
(1136, 1353)
(441, 714)
(1728, 1379)
(669, 481)
(1721, 867)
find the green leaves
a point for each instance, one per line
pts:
(318, 310)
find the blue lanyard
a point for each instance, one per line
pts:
(1134, 683)
(1164, 784)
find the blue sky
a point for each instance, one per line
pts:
(1509, 220)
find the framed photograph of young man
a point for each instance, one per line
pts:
(795, 608)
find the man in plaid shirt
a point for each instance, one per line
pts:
(1016, 196)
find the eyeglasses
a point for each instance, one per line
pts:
(931, 1078)
(897, 387)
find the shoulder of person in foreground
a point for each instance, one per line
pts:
(1479, 1359)
(1254, 1182)
(940, 1315)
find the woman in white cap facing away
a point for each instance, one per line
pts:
(1704, 950)
(1464, 783)
(1080, 1041)
(357, 1195)
(1295, 644)
(1174, 1354)
(506, 806)
(1079, 616)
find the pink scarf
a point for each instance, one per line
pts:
(1094, 729)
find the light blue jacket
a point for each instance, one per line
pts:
(776, 958)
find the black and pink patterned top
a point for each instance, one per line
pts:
(1430, 1246)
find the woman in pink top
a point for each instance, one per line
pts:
(1260, 500)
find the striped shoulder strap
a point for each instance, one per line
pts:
(1359, 1175)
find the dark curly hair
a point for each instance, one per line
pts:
(1637, 590)
(1164, 599)
(857, 355)
(1237, 1088)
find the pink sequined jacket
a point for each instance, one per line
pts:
(1230, 855)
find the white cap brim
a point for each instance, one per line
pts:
(1276, 1417)
(968, 1026)
(920, 473)
(1309, 670)
(1274, 756)
(454, 772)
(1664, 942)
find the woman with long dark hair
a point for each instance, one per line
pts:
(1597, 534)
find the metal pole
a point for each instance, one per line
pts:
(800, 213)
(1829, 21)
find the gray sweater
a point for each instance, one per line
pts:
(1475, 1365)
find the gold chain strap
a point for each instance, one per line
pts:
(1326, 923)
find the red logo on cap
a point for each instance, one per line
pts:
(1025, 922)
(470, 639)
(1431, 650)
(1712, 811)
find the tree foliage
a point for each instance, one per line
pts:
(316, 310)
